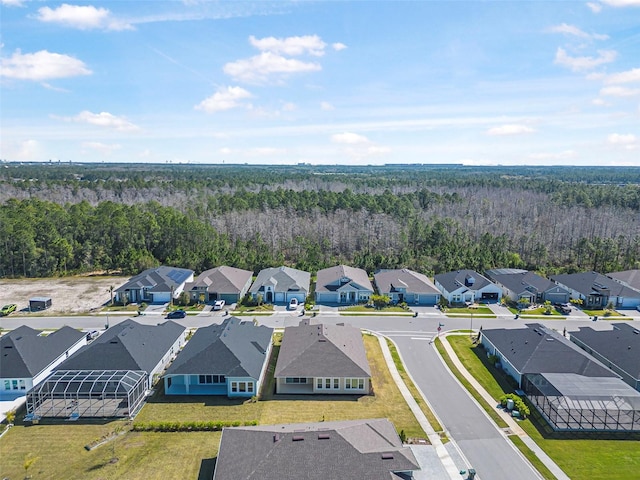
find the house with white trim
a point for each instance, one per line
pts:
(343, 285)
(462, 286)
(322, 359)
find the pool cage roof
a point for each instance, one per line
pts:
(572, 402)
(91, 393)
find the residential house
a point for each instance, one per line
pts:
(618, 349)
(29, 356)
(344, 285)
(462, 286)
(404, 285)
(318, 358)
(229, 359)
(109, 377)
(154, 285)
(280, 285)
(221, 283)
(597, 290)
(570, 389)
(362, 449)
(629, 278)
(524, 285)
(130, 345)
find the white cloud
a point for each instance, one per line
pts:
(82, 17)
(225, 151)
(225, 98)
(338, 46)
(512, 129)
(622, 3)
(578, 64)
(622, 139)
(630, 76)
(266, 67)
(575, 31)
(349, 138)
(28, 150)
(326, 106)
(102, 147)
(104, 119)
(42, 65)
(12, 3)
(619, 91)
(599, 102)
(594, 7)
(310, 44)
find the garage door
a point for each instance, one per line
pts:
(489, 297)
(161, 297)
(557, 297)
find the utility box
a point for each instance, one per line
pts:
(39, 303)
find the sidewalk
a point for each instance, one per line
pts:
(513, 424)
(443, 455)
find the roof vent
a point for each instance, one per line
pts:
(276, 438)
(387, 456)
(297, 438)
(323, 436)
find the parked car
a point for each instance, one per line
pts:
(218, 305)
(93, 334)
(564, 308)
(293, 304)
(7, 309)
(177, 314)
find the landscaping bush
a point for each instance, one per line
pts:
(193, 426)
(518, 404)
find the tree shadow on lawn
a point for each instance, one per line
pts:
(206, 400)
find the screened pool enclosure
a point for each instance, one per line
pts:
(88, 393)
(575, 403)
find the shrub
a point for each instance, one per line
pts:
(191, 426)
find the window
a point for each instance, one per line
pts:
(250, 387)
(22, 385)
(7, 385)
(354, 384)
(211, 379)
(319, 383)
(295, 380)
(14, 384)
(328, 383)
(234, 387)
(336, 383)
(241, 387)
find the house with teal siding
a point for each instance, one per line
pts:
(228, 359)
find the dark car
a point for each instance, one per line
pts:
(177, 314)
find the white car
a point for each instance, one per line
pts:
(293, 304)
(218, 305)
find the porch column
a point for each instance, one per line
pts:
(186, 383)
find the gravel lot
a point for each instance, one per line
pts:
(68, 294)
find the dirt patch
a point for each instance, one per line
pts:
(68, 294)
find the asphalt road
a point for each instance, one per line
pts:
(484, 446)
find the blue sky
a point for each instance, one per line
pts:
(367, 82)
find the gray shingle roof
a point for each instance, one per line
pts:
(414, 282)
(322, 351)
(355, 449)
(283, 279)
(25, 354)
(521, 281)
(222, 279)
(630, 278)
(452, 281)
(620, 345)
(357, 277)
(588, 283)
(537, 349)
(159, 279)
(233, 349)
(126, 346)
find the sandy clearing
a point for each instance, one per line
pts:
(68, 294)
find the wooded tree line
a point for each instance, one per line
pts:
(43, 238)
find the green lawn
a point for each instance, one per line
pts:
(484, 311)
(59, 446)
(580, 459)
(373, 311)
(603, 313)
(540, 311)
